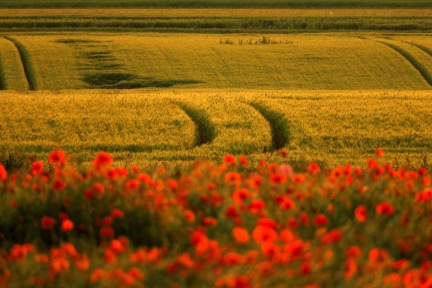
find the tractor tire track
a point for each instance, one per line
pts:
(421, 47)
(278, 124)
(3, 85)
(26, 63)
(410, 58)
(205, 130)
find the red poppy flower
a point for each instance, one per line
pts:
(350, 268)
(102, 159)
(287, 235)
(287, 204)
(332, 237)
(385, 208)
(57, 157)
(353, 252)
(116, 213)
(209, 221)
(378, 255)
(299, 178)
(294, 249)
(263, 233)
(314, 168)
(47, 222)
(89, 194)
(190, 216)
(232, 177)
(304, 218)
(239, 195)
(59, 185)
(132, 185)
(269, 249)
(241, 235)
(379, 152)
(97, 274)
(3, 173)
(231, 212)
(278, 178)
(36, 168)
(360, 213)
(106, 232)
(243, 160)
(229, 159)
(305, 268)
(320, 220)
(67, 225)
(98, 188)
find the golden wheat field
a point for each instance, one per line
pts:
(176, 128)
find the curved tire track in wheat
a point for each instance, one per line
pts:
(12, 72)
(421, 47)
(278, 124)
(418, 65)
(205, 130)
(26, 63)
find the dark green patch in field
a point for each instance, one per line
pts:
(13, 161)
(129, 81)
(73, 41)
(99, 53)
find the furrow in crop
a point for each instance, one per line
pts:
(26, 62)
(414, 62)
(279, 125)
(421, 47)
(205, 130)
(2, 76)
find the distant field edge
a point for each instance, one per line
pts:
(216, 4)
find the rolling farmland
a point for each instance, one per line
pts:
(216, 143)
(292, 62)
(250, 94)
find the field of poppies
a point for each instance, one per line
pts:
(215, 225)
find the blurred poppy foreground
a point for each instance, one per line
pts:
(215, 226)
